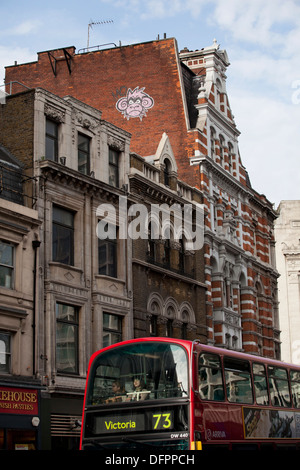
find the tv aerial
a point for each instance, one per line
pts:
(93, 23)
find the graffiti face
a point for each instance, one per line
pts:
(135, 104)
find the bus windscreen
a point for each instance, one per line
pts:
(138, 372)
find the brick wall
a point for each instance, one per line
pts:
(17, 113)
(100, 78)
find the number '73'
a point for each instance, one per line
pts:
(162, 419)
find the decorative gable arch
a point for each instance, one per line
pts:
(164, 156)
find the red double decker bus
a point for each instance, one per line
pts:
(169, 394)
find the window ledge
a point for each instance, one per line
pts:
(69, 267)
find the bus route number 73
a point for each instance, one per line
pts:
(162, 421)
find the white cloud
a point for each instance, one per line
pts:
(159, 9)
(26, 27)
(269, 144)
(8, 55)
(263, 73)
(262, 23)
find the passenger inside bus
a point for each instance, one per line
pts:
(118, 393)
(139, 390)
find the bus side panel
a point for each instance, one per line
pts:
(218, 422)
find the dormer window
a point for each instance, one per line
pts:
(167, 170)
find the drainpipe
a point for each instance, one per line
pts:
(35, 246)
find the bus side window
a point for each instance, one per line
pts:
(238, 380)
(210, 377)
(260, 384)
(295, 386)
(279, 386)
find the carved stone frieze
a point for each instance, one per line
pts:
(86, 121)
(116, 143)
(54, 113)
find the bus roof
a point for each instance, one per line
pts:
(197, 345)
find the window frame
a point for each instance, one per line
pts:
(212, 143)
(240, 368)
(262, 375)
(108, 331)
(221, 149)
(230, 157)
(169, 328)
(7, 353)
(153, 327)
(58, 226)
(210, 366)
(151, 253)
(53, 138)
(84, 152)
(295, 382)
(109, 266)
(279, 381)
(75, 325)
(11, 182)
(167, 172)
(9, 267)
(167, 253)
(114, 167)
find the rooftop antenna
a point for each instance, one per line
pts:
(91, 24)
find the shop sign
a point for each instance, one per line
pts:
(18, 401)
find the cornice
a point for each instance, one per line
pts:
(169, 273)
(156, 191)
(233, 182)
(219, 117)
(56, 172)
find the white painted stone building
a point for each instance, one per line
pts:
(287, 235)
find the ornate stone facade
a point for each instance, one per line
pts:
(287, 234)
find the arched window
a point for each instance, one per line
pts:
(218, 93)
(242, 287)
(154, 309)
(167, 237)
(222, 145)
(151, 242)
(167, 171)
(230, 156)
(212, 142)
(258, 290)
(170, 315)
(181, 256)
(185, 318)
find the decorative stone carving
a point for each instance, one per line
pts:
(54, 113)
(86, 122)
(116, 143)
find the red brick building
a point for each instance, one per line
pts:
(148, 89)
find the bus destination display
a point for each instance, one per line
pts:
(134, 421)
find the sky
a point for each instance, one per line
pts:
(261, 38)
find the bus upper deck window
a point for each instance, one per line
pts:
(160, 368)
(238, 380)
(210, 377)
(260, 384)
(295, 387)
(279, 386)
